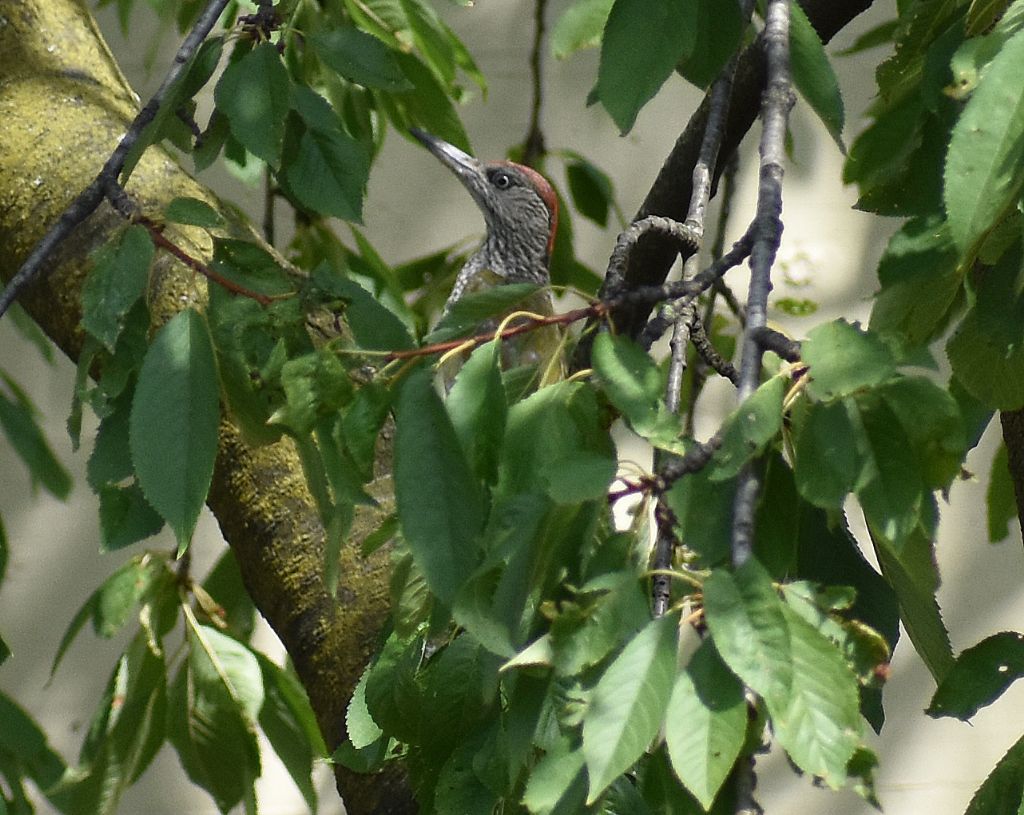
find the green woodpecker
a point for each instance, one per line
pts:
(520, 210)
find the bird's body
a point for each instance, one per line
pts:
(521, 213)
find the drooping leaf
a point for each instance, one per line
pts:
(910, 569)
(920, 278)
(643, 41)
(746, 619)
(591, 190)
(719, 30)
(628, 704)
(828, 457)
(24, 435)
(192, 211)
(176, 408)
(1003, 790)
(253, 93)
(984, 174)
(987, 350)
(127, 731)
(441, 517)
(749, 429)
(125, 517)
(843, 358)
(118, 278)
(477, 406)
(705, 723)
(290, 726)
(579, 27)
(813, 74)
(212, 706)
(360, 57)
(469, 311)
(1000, 498)
(819, 724)
(980, 675)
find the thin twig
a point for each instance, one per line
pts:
(92, 196)
(533, 148)
(681, 234)
(708, 352)
(269, 194)
(767, 229)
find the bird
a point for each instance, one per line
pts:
(520, 210)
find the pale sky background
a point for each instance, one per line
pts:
(927, 767)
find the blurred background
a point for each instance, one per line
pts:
(829, 253)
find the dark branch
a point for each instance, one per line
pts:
(767, 230)
(672, 189)
(92, 196)
(534, 147)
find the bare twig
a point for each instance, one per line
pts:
(767, 229)
(709, 353)
(92, 196)
(534, 147)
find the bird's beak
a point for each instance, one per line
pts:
(469, 170)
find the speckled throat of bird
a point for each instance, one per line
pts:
(520, 212)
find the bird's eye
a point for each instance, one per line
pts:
(501, 180)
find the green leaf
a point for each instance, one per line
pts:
(911, 571)
(125, 517)
(980, 675)
(987, 350)
(428, 106)
(984, 174)
(327, 170)
(362, 730)
(749, 429)
(881, 34)
(628, 703)
(828, 463)
(192, 211)
(119, 277)
(315, 386)
(290, 726)
(110, 605)
(819, 724)
(128, 730)
(360, 57)
(249, 265)
(746, 619)
(718, 33)
(393, 695)
(591, 190)
(23, 739)
(441, 517)
(843, 359)
(1003, 790)
(16, 419)
(634, 384)
(432, 39)
(813, 74)
(477, 407)
(253, 93)
(579, 27)
(703, 510)
(213, 702)
(588, 629)
(557, 782)
(643, 42)
(1000, 498)
(110, 461)
(176, 408)
(920, 278)
(224, 585)
(705, 723)
(374, 326)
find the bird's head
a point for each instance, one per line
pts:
(518, 204)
